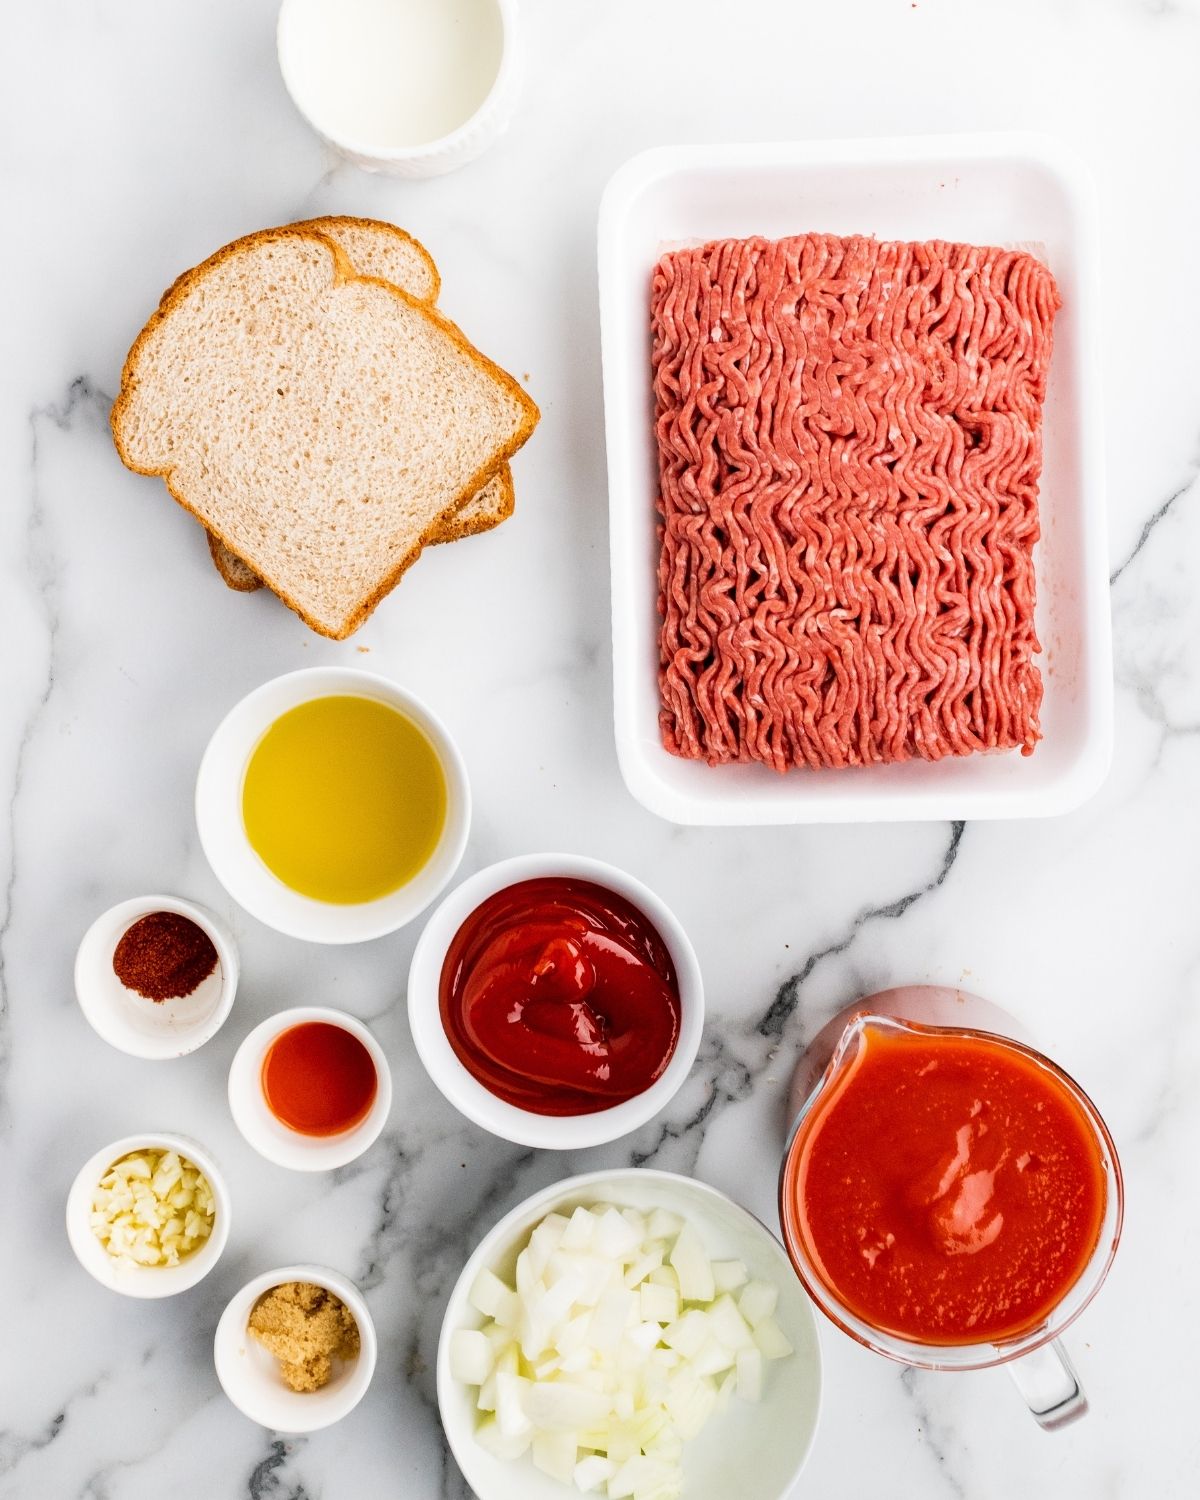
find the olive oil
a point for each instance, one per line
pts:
(344, 799)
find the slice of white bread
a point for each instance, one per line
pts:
(319, 423)
(494, 503)
(389, 253)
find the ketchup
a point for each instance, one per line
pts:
(319, 1079)
(948, 1189)
(560, 997)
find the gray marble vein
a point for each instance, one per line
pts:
(270, 1479)
(1182, 491)
(732, 1060)
(41, 565)
(933, 1433)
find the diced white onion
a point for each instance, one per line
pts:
(470, 1356)
(728, 1275)
(693, 1267)
(488, 1294)
(593, 1471)
(620, 1341)
(750, 1374)
(554, 1453)
(772, 1340)
(758, 1301)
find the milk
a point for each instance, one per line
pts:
(393, 73)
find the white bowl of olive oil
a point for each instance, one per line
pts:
(333, 805)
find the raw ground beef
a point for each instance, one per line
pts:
(849, 451)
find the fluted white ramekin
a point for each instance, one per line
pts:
(432, 158)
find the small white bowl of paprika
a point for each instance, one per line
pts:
(156, 976)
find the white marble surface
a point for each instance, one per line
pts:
(140, 134)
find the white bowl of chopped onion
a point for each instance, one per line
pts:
(629, 1333)
(148, 1215)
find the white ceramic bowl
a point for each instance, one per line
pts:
(243, 873)
(753, 1452)
(987, 190)
(249, 1374)
(148, 1028)
(134, 1280)
(303, 54)
(467, 1094)
(270, 1138)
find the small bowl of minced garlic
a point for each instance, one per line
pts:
(295, 1349)
(148, 1215)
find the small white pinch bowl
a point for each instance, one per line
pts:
(135, 1280)
(467, 1094)
(238, 867)
(301, 41)
(249, 1373)
(269, 1136)
(153, 1029)
(755, 1452)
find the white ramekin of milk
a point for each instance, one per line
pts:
(411, 87)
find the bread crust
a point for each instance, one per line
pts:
(455, 529)
(343, 272)
(335, 222)
(238, 575)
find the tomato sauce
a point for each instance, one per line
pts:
(319, 1079)
(560, 997)
(947, 1188)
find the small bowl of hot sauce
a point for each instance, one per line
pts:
(556, 1001)
(310, 1088)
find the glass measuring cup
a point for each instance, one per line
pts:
(1035, 1359)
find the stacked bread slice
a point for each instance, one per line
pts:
(302, 396)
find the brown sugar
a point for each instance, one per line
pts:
(305, 1327)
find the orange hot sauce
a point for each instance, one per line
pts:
(947, 1188)
(318, 1079)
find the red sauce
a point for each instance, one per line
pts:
(319, 1079)
(947, 1189)
(560, 997)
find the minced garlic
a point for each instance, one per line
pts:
(152, 1208)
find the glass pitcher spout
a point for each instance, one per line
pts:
(911, 1004)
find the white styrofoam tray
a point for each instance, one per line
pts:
(987, 189)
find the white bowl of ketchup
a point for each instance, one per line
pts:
(548, 1122)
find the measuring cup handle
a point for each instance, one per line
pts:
(1047, 1380)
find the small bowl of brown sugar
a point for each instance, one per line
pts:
(156, 976)
(295, 1348)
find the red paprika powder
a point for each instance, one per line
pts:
(164, 956)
